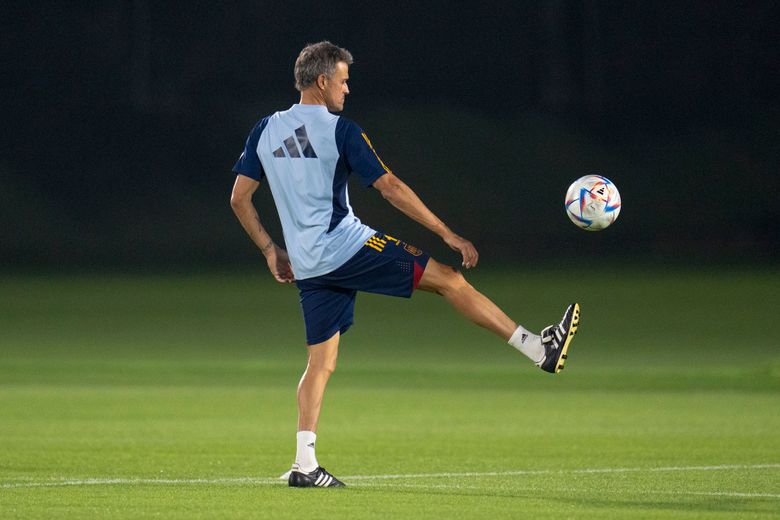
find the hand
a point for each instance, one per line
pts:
(464, 247)
(279, 264)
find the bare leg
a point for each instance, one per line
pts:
(471, 303)
(322, 363)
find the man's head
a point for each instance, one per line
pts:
(322, 70)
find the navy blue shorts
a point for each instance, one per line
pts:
(384, 265)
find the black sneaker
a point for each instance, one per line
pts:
(317, 478)
(557, 338)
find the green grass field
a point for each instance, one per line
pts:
(174, 397)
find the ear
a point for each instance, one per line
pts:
(322, 80)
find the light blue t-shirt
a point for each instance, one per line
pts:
(307, 153)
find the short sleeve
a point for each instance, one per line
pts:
(248, 163)
(358, 152)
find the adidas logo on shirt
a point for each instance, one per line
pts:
(292, 150)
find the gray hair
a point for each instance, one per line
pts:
(318, 58)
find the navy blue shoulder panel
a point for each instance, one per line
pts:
(249, 163)
(342, 125)
(358, 153)
(340, 176)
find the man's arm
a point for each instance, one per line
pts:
(395, 191)
(241, 202)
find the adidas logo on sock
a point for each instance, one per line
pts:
(302, 140)
(523, 338)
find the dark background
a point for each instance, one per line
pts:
(122, 120)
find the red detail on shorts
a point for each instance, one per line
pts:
(418, 272)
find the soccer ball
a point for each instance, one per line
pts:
(593, 202)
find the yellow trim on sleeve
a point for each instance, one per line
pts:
(368, 141)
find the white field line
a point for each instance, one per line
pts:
(138, 482)
(396, 485)
(276, 481)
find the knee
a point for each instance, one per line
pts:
(453, 280)
(321, 366)
(442, 279)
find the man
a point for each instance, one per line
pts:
(306, 153)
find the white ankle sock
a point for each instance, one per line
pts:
(305, 457)
(528, 343)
